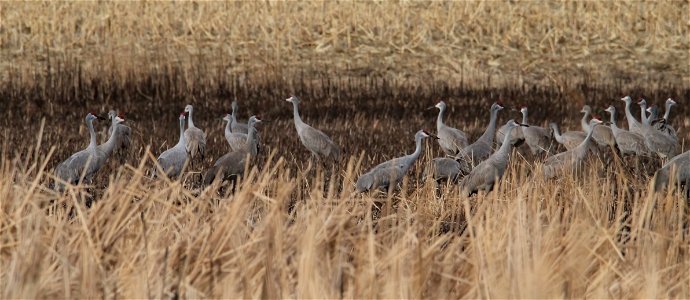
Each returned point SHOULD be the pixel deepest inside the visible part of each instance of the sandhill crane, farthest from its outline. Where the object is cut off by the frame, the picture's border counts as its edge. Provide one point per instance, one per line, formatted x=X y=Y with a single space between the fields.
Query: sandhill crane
x=537 y=138
x=570 y=160
x=450 y=139
x=313 y=139
x=83 y=163
x=602 y=134
x=124 y=133
x=653 y=114
x=679 y=166
x=569 y=139
x=231 y=165
x=482 y=147
x=643 y=111
x=388 y=174
x=173 y=160
x=236 y=127
x=115 y=138
x=447 y=168
x=485 y=175
x=628 y=142
x=236 y=140
x=633 y=125
x=665 y=125
x=194 y=137
x=517 y=138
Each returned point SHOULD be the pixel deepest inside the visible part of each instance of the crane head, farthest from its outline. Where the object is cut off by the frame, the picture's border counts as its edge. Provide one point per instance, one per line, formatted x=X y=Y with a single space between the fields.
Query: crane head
x=182 y=116
x=586 y=109
x=626 y=99
x=227 y=117
x=670 y=102
x=651 y=108
x=425 y=134
x=188 y=108
x=119 y=120
x=292 y=99
x=642 y=102
x=523 y=109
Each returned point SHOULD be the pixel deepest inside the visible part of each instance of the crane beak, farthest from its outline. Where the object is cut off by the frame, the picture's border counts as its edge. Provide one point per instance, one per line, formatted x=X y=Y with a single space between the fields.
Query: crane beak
x=433 y=136
x=523 y=125
x=99 y=117
x=430 y=108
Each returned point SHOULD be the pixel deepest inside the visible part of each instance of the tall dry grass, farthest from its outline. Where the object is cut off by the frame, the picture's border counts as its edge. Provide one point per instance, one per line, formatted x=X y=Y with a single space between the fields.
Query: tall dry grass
x=602 y=236
x=509 y=41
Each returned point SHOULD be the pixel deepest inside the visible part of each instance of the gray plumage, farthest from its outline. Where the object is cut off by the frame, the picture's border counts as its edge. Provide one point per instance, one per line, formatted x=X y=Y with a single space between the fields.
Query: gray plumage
x=517 y=138
x=602 y=134
x=537 y=138
x=447 y=169
x=194 y=137
x=118 y=135
x=450 y=139
x=485 y=175
x=680 y=166
x=173 y=160
x=569 y=139
x=571 y=160
x=629 y=143
x=313 y=139
x=236 y=126
x=388 y=174
x=664 y=124
x=633 y=125
x=236 y=140
x=232 y=164
x=644 y=119
x=483 y=146
x=85 y=162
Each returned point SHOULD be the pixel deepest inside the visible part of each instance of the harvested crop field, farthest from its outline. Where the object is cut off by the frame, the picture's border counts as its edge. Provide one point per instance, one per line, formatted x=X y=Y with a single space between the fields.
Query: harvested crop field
x=366 y=74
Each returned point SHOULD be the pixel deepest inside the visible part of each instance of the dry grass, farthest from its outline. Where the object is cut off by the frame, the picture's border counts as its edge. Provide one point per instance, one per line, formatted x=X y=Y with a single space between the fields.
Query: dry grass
x=531 y=41
x=365 y=71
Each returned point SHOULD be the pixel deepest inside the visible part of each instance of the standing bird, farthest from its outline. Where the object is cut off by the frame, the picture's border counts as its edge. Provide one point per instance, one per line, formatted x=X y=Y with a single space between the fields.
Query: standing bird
x=194 y=137
x=485 y=175
x=537 y=138
x=680 y=166
x=83 y=163
x=569 y=139
x=446 y=168
x=633 y=125
x=237 y=127
x=664 y=125
x=316 y=141
x=173 y=160
x=236 y=140
x=115 y=135
x=483 y=146
x=571 y=160
x=602 y=134
x=124 y=139
x=628 y=142
x=517 y=138
x=231 y=165
x=389 y=174
x=450 y=139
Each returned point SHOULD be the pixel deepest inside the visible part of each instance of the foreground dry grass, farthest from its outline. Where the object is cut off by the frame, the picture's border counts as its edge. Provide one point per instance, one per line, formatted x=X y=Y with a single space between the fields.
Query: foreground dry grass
x=537 y=42
x=597 y=238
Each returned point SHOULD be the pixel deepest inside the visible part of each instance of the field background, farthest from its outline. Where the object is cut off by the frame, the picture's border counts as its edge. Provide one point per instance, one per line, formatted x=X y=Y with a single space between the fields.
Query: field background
x=365 y=72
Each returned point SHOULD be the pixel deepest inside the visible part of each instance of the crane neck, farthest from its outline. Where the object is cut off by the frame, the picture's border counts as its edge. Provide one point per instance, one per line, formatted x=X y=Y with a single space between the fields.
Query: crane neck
x=191 y=123
x=92 y=134
x=251 y=139
x=488 y=135
x=643 y=113
x=667 y=113
x=181 y=141
x=439 y=119
x=628 y=114
x=584 y=124
x=418 y=148
x=507 y=146
x=614 y=126
x=524 y=117
x=295 y=113
x=109 y=145
x=582 y=147
x=228 y=126
x=557 y=134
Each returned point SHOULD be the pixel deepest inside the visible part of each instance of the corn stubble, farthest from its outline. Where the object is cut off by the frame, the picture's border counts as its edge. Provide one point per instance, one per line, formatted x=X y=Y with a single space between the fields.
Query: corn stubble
x=293 y=229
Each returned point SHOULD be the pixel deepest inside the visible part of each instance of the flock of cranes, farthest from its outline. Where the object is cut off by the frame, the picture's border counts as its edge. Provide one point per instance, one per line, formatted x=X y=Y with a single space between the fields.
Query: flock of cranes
x=474 y=165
